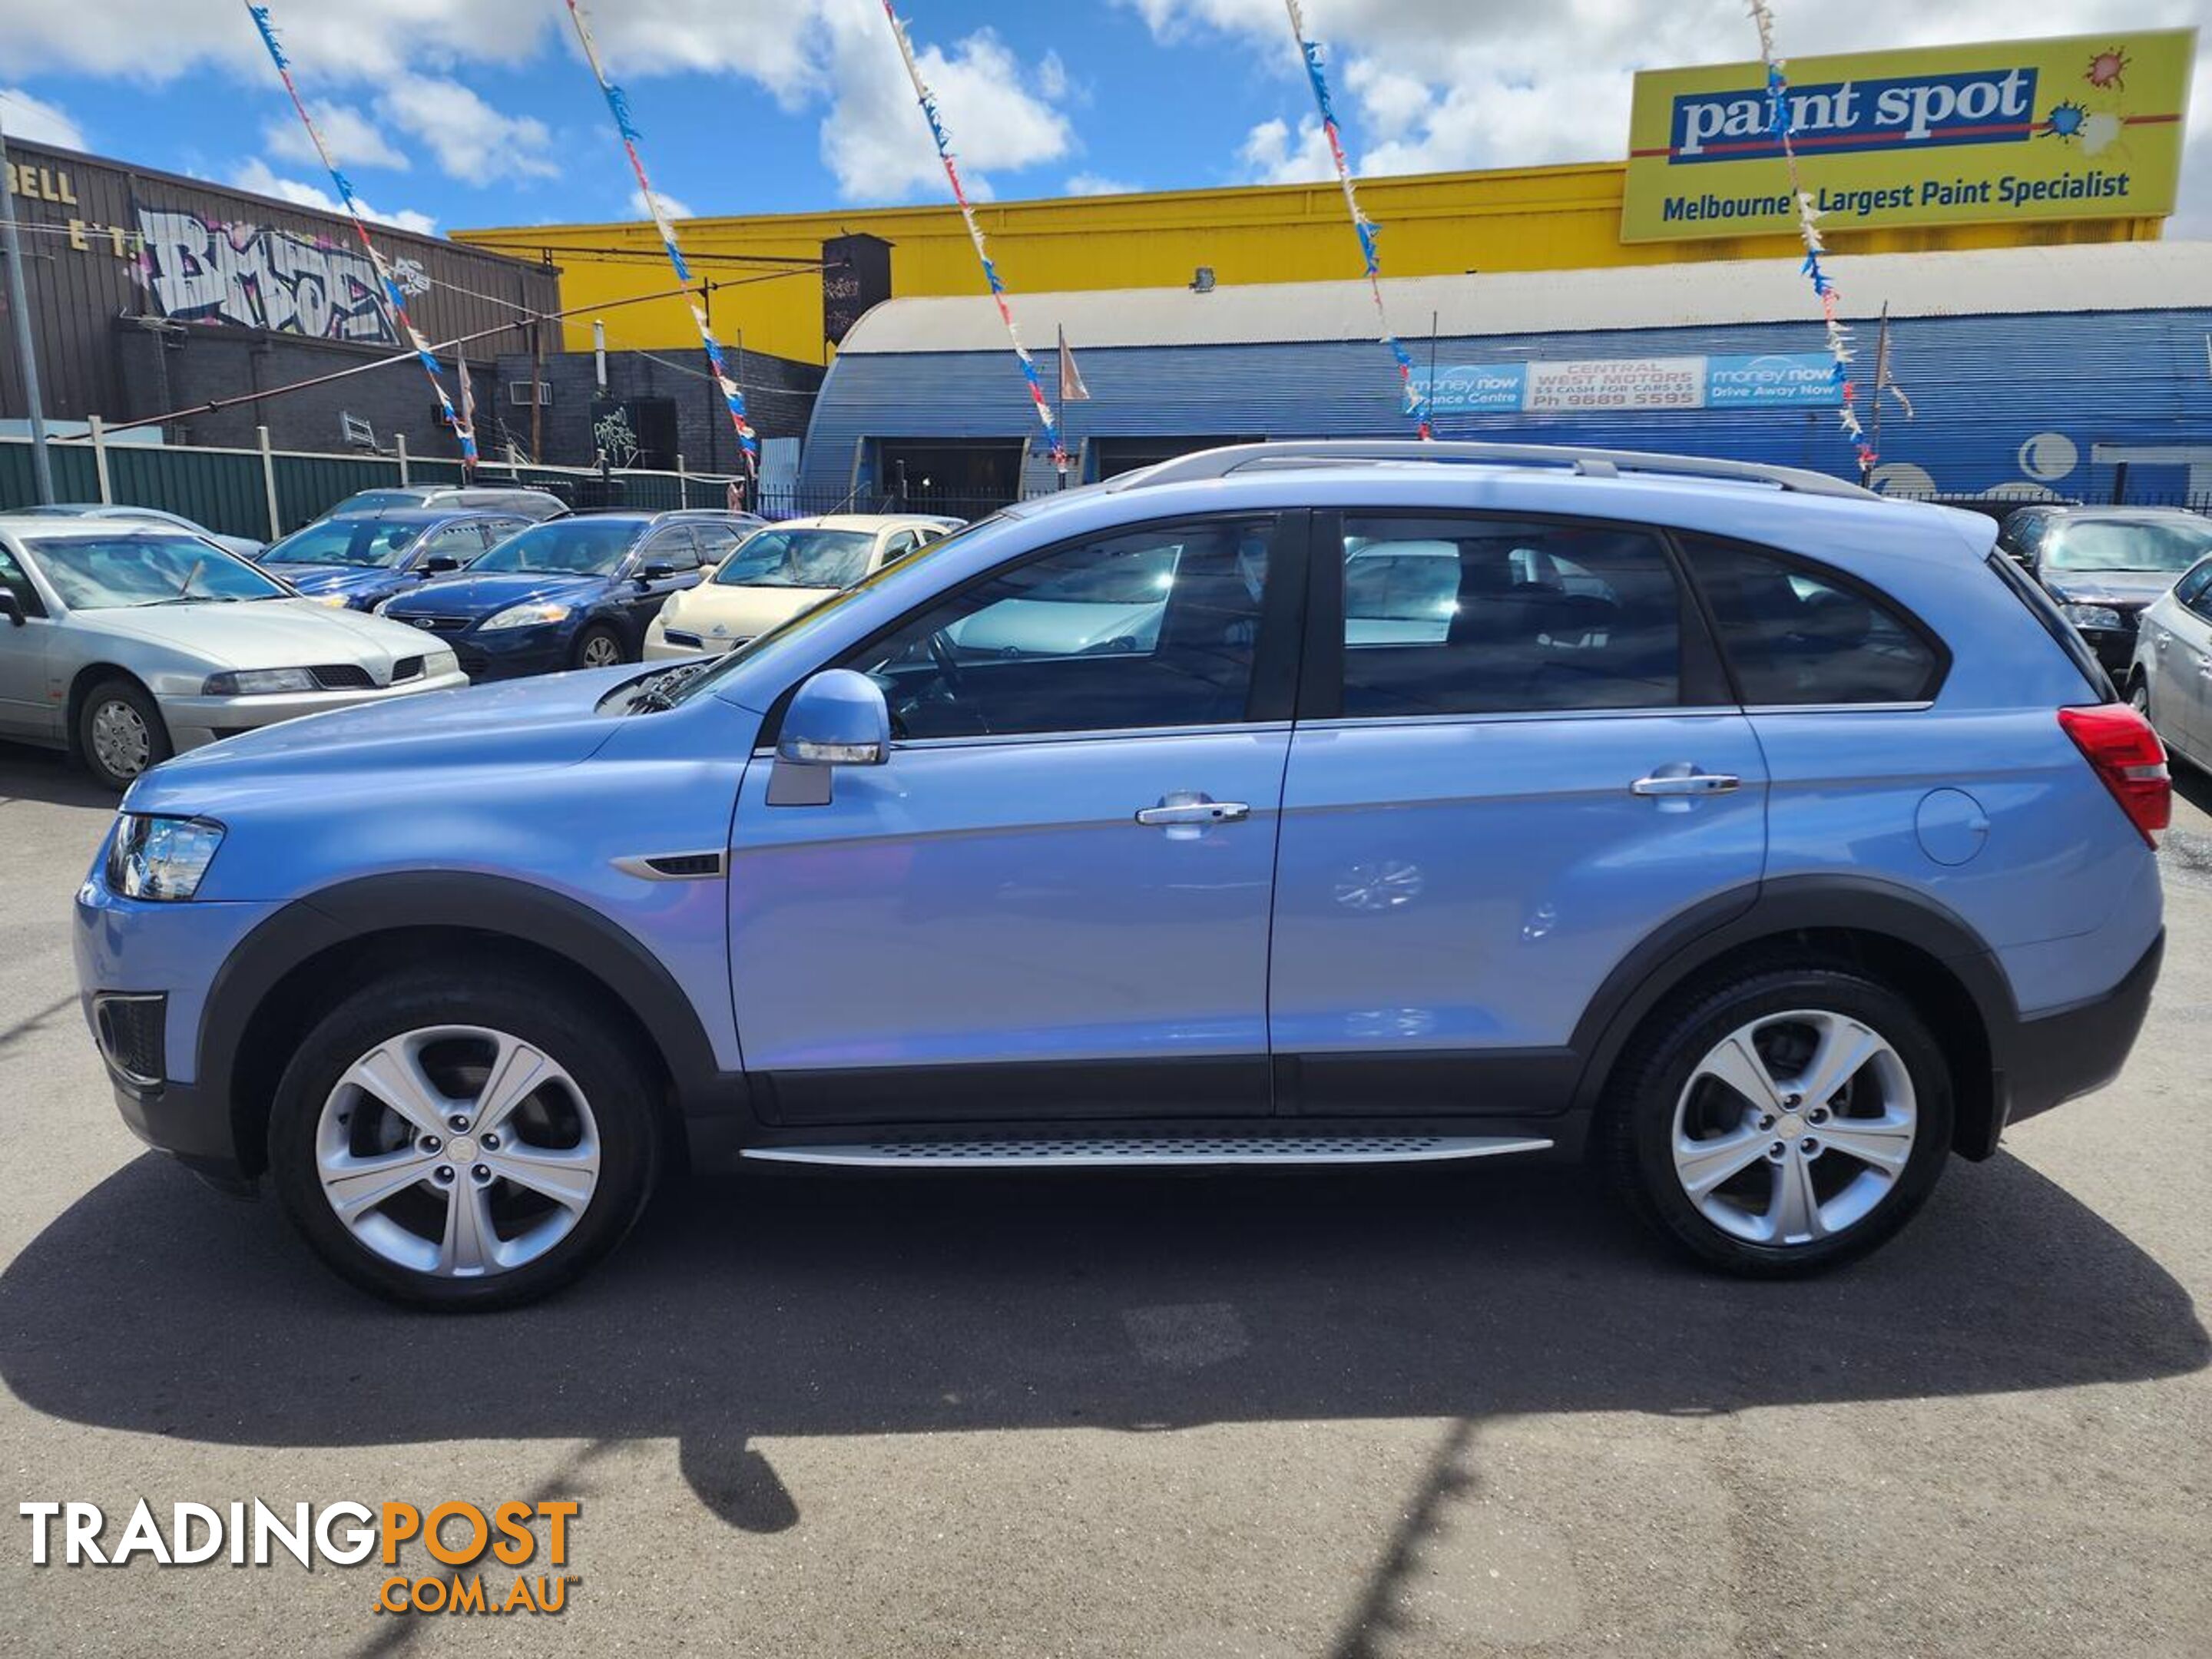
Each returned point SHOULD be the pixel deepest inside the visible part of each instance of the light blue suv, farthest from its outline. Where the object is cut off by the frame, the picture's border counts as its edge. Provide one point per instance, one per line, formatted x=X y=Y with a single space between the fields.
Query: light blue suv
x=1762 y=842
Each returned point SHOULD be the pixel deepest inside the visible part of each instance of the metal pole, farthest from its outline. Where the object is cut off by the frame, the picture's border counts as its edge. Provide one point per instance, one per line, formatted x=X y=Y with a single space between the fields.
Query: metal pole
x=42 y=468
x=268 y=483
x=99 y=458
x=682 y=483
x=599 y=356
x=400 y=448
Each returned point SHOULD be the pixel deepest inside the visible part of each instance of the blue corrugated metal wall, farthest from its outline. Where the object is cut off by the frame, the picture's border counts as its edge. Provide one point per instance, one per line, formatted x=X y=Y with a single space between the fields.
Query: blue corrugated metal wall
x=1983 y=388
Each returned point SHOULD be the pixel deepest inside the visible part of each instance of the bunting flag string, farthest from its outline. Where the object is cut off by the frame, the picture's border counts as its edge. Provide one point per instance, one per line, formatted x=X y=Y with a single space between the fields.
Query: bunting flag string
x=1417 y=403
x=1779 y=122
x=928 y=101
x=733 y=396
x=464 y=428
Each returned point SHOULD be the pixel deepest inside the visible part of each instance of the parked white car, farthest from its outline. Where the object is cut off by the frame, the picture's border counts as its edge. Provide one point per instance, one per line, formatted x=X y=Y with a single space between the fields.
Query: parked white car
x=779 y=571
x=2171 y=682
x=126 y=642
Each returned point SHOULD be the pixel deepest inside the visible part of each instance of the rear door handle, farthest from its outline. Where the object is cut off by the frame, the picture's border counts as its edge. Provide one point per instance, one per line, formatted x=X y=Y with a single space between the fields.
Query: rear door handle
x=1687 y=783
x=1182 y=810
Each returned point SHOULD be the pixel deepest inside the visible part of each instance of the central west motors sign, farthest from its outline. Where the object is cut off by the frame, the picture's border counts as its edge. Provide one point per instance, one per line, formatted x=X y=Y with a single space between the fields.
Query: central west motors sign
x=2084 y=127
x=1774 y=379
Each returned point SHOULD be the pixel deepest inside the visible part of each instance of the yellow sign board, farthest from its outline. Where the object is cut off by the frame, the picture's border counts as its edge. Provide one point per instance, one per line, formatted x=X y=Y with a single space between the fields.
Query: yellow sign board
x=2085 y=127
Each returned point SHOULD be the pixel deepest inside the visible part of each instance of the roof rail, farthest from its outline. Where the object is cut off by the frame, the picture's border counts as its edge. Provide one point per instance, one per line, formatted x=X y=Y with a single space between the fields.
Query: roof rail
x=1589 y=463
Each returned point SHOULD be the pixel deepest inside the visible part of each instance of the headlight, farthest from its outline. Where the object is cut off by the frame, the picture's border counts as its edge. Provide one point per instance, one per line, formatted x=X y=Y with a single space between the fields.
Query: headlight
x=439 y=662
x=251 y=681
x=2092 y=615
x=160 y=858
x=336 y=601
x=527 y=616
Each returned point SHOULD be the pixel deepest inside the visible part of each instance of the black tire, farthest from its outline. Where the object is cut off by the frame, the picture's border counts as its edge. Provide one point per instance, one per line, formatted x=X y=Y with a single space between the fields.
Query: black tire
x=1638 y=1117
x=134 y=696
x=615 y=1080
x=603 y=637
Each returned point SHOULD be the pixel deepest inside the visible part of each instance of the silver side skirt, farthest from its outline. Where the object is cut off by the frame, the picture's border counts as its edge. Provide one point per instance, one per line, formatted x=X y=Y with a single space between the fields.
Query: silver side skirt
x=1098 y=1151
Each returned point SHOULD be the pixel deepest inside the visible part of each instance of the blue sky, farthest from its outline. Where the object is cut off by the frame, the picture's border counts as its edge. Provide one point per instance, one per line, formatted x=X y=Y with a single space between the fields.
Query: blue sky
x=460 y=113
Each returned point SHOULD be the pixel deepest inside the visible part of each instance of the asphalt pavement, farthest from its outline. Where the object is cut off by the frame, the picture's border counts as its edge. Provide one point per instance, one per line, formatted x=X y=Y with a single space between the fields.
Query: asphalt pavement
x=1379 y=1412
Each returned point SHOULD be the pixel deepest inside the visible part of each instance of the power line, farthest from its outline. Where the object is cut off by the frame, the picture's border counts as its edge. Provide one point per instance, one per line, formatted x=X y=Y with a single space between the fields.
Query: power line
x=220 y=403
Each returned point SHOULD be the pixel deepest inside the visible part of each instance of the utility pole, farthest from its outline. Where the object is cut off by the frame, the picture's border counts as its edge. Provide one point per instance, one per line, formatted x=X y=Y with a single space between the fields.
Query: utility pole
x=27 y=353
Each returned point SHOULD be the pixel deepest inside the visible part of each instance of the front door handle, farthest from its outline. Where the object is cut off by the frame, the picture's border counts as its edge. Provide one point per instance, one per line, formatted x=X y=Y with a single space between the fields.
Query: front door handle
x=1182 y=808
x=1667 y=780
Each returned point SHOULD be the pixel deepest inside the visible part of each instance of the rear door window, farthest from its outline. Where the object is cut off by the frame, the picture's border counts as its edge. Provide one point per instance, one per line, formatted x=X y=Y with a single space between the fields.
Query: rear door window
x=1465 y=615
x=1797 y=634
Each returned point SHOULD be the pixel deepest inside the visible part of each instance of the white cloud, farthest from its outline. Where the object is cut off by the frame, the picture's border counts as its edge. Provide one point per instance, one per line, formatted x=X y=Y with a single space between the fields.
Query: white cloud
x=875 y=140
x=470 y=140
x=1096 y=184
x=669 y=205
x=257 y=176
x=35 y=121
x=1425 y=85
x=354 y=138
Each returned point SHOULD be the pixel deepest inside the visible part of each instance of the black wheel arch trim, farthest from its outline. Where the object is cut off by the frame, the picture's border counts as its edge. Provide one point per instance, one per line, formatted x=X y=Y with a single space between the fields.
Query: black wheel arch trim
x=501 y=906
x=1677 y=951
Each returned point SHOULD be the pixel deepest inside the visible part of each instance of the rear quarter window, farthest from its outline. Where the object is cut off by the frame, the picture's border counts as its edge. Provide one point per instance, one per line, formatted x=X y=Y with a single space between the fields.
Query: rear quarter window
x=1798 y=634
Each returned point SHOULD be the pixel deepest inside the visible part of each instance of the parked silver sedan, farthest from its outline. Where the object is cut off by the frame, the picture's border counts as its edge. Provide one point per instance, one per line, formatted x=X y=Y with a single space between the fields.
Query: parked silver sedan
x=126 y=643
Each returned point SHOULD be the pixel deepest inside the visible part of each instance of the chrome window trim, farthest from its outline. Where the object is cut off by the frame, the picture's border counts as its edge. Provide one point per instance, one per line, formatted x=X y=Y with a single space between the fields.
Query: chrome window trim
x=1008 y=739
x=1516 y=717
x=1920 y=706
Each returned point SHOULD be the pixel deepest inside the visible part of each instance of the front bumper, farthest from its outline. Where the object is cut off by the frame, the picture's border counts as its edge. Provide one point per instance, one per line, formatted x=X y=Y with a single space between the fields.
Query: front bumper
x=507 y=653
x=2060 y=1056
x=658 y=648
x=196 y=721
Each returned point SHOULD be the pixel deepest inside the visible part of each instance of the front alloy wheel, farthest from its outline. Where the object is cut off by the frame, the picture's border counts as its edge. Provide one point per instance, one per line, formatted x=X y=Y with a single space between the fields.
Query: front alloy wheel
x=465 y=1136
x=458 y=1151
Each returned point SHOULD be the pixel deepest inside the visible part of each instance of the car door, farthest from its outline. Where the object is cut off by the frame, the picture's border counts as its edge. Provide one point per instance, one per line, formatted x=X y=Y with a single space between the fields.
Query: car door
x=1053 y=902
x=641 y=596
x=2180 y=680
x=26 y=708
x=1515 y=761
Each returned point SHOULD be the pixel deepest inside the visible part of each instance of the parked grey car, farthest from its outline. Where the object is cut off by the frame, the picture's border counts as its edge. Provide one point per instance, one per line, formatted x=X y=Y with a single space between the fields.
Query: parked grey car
x=513 y=499
x=245 y=546
x=126 y=643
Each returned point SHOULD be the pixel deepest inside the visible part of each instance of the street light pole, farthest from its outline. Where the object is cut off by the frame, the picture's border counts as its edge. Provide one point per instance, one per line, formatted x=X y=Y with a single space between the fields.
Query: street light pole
x=19 y=303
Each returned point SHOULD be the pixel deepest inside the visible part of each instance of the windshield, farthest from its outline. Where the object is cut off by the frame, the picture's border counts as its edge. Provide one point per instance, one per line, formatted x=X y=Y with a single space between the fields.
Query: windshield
x=365 y=544
x=375 y=501
x=2162 y=544
x=813 y=618
x=98 y=573
x=567 y=547
x=798 y=558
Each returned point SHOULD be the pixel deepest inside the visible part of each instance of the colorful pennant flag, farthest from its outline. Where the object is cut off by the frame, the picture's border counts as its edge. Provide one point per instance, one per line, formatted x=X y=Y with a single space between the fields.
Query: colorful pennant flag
x=618 y=106
x=464 y=428
x=1779 y=122
x=928 y=101
x=1071 y=389
x=1371 y=253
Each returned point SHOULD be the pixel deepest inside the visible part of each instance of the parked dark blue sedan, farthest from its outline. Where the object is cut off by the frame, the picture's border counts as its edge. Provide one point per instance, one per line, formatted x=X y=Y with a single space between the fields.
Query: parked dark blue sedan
x=363 y=561
x=573 y=592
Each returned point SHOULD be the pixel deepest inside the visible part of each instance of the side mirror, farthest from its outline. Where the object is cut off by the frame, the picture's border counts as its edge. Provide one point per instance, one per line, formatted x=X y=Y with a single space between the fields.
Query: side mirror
x=438 y=564
x=838 y=718
x=656 y=571
x=12 y=608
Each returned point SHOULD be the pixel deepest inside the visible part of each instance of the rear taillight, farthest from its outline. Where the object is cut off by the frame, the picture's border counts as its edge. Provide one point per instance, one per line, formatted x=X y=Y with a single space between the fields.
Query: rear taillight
x=2130 y=760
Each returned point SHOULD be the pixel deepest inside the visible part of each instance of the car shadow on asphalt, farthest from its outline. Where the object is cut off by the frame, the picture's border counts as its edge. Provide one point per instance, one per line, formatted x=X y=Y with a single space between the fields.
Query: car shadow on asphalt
x=46 y=775
x=788 y=1303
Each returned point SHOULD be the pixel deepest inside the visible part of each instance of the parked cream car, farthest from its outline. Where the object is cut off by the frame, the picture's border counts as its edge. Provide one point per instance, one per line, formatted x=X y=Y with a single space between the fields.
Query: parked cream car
x=778 y=572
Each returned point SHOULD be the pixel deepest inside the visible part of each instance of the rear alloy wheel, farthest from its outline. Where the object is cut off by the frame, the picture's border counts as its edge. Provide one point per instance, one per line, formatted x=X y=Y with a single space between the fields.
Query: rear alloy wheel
x=1783 y=1123
x=120 y=733
x=461 y=1148
x=600 y=647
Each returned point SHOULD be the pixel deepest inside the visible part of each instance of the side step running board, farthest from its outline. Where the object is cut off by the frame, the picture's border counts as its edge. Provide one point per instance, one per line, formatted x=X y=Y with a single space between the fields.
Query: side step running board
x=1097 y=1151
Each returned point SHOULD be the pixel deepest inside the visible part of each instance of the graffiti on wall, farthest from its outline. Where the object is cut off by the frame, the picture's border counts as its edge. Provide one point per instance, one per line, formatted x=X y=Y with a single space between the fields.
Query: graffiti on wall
x=204 y=270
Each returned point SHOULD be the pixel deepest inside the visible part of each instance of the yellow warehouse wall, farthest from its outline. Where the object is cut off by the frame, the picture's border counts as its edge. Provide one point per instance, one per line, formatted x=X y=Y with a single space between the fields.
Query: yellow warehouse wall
x=1552 y=218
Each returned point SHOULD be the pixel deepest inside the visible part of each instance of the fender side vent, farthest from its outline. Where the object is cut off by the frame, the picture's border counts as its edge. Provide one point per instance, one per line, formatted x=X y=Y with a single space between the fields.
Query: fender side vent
x=673 y=866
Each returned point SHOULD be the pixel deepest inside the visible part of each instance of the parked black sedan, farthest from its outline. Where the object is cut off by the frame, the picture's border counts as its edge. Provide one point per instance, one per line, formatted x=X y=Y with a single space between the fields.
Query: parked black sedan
x=2103 y=564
